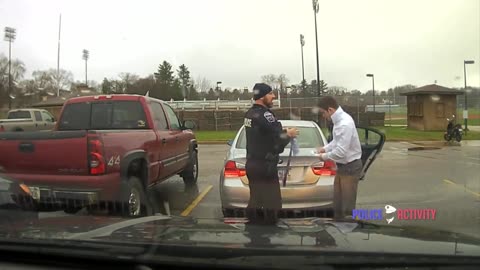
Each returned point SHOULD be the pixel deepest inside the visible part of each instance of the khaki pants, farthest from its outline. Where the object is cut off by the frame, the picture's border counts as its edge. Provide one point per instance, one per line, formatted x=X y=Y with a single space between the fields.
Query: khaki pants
x=345 y=189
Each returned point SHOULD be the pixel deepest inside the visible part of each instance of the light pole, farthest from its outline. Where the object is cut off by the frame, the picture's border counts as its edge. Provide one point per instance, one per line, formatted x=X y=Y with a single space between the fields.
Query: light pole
x=373 y=89
x=465 y=110
x=218 y=83
x=58 y=55
x=302 y=43
x=315 y=11
x=86 y=55
x=10 y=34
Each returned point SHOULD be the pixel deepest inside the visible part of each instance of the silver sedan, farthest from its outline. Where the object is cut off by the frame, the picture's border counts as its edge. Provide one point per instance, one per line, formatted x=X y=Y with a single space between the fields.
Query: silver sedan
x=309 y=182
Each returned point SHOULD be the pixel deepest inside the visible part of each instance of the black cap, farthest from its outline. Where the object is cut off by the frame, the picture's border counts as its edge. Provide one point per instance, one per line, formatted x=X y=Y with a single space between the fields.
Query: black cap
x=260 y=90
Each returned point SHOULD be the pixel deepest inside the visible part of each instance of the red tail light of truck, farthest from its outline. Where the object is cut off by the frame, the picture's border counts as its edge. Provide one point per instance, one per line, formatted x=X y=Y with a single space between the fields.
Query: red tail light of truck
x=96 y=159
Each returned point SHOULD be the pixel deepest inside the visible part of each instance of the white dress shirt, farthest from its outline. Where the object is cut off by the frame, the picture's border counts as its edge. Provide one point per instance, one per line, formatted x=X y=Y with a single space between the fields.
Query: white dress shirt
x=345 y=146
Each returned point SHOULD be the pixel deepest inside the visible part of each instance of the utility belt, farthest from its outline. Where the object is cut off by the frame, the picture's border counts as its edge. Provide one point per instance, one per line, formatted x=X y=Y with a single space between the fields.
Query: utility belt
x=270 y=160
x=340 y=165
x=268 y=157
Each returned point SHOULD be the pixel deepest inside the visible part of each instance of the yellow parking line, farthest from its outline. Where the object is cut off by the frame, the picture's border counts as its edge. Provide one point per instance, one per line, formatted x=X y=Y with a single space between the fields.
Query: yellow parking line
x=466 y=189
x=195 y=202
x=448 y=182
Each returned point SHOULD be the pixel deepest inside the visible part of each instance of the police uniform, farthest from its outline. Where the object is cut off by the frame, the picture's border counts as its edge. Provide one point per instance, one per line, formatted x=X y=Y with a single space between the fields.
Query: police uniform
x=265 y=141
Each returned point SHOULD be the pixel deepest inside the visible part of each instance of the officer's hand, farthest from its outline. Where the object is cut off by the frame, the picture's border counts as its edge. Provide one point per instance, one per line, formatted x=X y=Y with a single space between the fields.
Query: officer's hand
x=292 y=132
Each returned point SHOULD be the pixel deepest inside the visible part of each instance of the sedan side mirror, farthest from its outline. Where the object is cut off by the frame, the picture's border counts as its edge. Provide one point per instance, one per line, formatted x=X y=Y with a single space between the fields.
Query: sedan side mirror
x=230 y=142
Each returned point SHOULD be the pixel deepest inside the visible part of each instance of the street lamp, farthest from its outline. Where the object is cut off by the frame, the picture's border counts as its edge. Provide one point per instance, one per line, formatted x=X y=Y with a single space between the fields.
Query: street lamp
x=218 y=83
x=86 y=55
x=10 y=34
x=465 y=110
x=315 y=11
x=373 y=89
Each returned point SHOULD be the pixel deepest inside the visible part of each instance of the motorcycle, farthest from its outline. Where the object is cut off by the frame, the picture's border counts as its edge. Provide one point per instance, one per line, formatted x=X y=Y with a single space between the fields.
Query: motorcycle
x=454 y=131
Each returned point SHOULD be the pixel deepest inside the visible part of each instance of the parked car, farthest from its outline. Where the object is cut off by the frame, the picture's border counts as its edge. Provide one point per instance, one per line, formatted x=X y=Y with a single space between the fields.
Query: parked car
x=27 y=120
x=309 y=184
x=105 y=150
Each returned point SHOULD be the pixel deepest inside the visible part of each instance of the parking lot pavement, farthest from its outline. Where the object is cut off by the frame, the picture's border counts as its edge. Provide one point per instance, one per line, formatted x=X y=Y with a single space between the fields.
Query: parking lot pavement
x=445 y=179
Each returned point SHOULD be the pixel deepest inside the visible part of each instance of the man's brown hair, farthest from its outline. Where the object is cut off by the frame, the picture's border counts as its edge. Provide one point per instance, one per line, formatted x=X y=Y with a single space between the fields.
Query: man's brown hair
x=327 y=102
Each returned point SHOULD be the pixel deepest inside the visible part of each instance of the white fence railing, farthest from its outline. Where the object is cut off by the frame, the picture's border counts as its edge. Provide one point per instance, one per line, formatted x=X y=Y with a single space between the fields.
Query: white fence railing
x=195 y=105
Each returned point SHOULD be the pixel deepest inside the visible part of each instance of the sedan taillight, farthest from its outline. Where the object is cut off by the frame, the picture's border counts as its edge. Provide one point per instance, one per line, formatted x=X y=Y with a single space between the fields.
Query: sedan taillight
x=324 y=168
x=232 y=171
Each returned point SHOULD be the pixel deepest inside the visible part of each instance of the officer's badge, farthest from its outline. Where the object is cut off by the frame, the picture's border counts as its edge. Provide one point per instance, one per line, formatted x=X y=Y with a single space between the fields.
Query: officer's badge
x=269 y=116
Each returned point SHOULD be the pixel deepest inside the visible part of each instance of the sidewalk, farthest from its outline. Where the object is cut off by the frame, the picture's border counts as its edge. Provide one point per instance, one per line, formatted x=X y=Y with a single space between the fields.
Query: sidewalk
x=474 y=128
x=443 y=143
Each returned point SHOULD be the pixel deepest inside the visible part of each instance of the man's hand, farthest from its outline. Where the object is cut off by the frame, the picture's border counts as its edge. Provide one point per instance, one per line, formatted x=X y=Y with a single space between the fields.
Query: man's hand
x=320 y=150
x=292 y=132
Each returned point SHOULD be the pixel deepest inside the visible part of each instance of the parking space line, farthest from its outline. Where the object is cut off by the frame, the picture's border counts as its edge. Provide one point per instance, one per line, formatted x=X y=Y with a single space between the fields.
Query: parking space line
x=195 y=202
x=458 y=186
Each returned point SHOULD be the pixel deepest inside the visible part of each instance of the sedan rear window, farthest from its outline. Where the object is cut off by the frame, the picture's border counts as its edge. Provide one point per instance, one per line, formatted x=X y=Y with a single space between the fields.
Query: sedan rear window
x=103 y=115
x=309 y=138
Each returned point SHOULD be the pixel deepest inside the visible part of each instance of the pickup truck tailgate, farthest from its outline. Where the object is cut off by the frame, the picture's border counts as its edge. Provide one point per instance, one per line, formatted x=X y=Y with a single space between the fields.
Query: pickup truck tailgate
x=44 y=152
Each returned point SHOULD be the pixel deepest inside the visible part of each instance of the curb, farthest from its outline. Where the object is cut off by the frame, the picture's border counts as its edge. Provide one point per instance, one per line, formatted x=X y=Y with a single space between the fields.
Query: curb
x=213 y=142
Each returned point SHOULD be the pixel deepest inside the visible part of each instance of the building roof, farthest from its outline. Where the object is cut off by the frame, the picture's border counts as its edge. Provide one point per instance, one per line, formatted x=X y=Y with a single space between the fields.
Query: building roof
x=53 y=101
x=433 y=89
x=50 y=102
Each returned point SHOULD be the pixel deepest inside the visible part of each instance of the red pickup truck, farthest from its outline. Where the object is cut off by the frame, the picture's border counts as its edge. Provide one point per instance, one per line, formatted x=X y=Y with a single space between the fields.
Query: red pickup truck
x=104 y=150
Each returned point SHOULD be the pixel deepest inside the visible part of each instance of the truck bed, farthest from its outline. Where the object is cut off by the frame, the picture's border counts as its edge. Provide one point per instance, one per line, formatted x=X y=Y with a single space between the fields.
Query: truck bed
x=44 y=152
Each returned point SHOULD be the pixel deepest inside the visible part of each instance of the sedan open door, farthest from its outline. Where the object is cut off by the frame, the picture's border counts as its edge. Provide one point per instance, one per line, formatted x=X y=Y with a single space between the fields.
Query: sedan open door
x=372 y=141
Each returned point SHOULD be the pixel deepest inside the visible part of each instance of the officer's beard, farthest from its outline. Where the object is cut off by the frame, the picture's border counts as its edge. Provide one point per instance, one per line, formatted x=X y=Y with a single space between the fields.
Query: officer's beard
x=267 y=103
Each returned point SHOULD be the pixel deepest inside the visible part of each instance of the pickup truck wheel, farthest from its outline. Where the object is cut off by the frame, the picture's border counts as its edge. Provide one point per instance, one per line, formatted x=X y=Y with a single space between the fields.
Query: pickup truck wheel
x=190 y=174
x=136 y=203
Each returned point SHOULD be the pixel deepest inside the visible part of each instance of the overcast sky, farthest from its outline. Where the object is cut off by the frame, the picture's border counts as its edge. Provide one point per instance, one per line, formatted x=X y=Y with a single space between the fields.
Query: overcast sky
x=408 y=41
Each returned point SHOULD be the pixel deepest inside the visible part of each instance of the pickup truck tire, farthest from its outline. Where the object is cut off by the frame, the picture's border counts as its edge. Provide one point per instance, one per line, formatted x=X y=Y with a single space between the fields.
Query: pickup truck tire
x=135 y=203
x=190 y=174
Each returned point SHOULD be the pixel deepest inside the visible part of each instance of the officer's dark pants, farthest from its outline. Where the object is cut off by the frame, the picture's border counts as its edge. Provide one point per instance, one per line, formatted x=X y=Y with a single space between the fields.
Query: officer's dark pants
x=265 y=197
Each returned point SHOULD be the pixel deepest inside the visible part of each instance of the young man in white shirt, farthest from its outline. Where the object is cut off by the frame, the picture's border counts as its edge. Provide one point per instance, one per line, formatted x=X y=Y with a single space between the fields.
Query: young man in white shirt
x=346 y=151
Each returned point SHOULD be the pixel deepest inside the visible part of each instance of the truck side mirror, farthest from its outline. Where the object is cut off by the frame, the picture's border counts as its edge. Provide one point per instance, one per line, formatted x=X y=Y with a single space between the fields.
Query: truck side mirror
x=188 y=124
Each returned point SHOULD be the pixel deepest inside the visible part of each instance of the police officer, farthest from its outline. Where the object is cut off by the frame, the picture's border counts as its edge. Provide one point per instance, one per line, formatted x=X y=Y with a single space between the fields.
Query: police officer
x=266 y=139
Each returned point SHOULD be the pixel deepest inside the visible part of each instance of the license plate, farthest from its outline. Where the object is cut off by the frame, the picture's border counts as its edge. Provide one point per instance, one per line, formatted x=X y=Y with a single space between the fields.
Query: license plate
x=35 y=193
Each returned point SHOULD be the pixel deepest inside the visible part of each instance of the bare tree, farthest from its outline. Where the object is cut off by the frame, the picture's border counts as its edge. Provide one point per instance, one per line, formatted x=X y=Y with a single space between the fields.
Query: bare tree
x=51 y=81
x=127 y=81
x=202 y=84
x=337 y=91
x=43 y=79
x=270 y=79
x=128 y=78
x=63 y=79
x=18 y=70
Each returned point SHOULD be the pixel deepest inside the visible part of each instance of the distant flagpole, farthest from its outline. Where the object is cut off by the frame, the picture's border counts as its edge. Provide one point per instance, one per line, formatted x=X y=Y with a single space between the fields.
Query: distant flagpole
x=58 y=55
